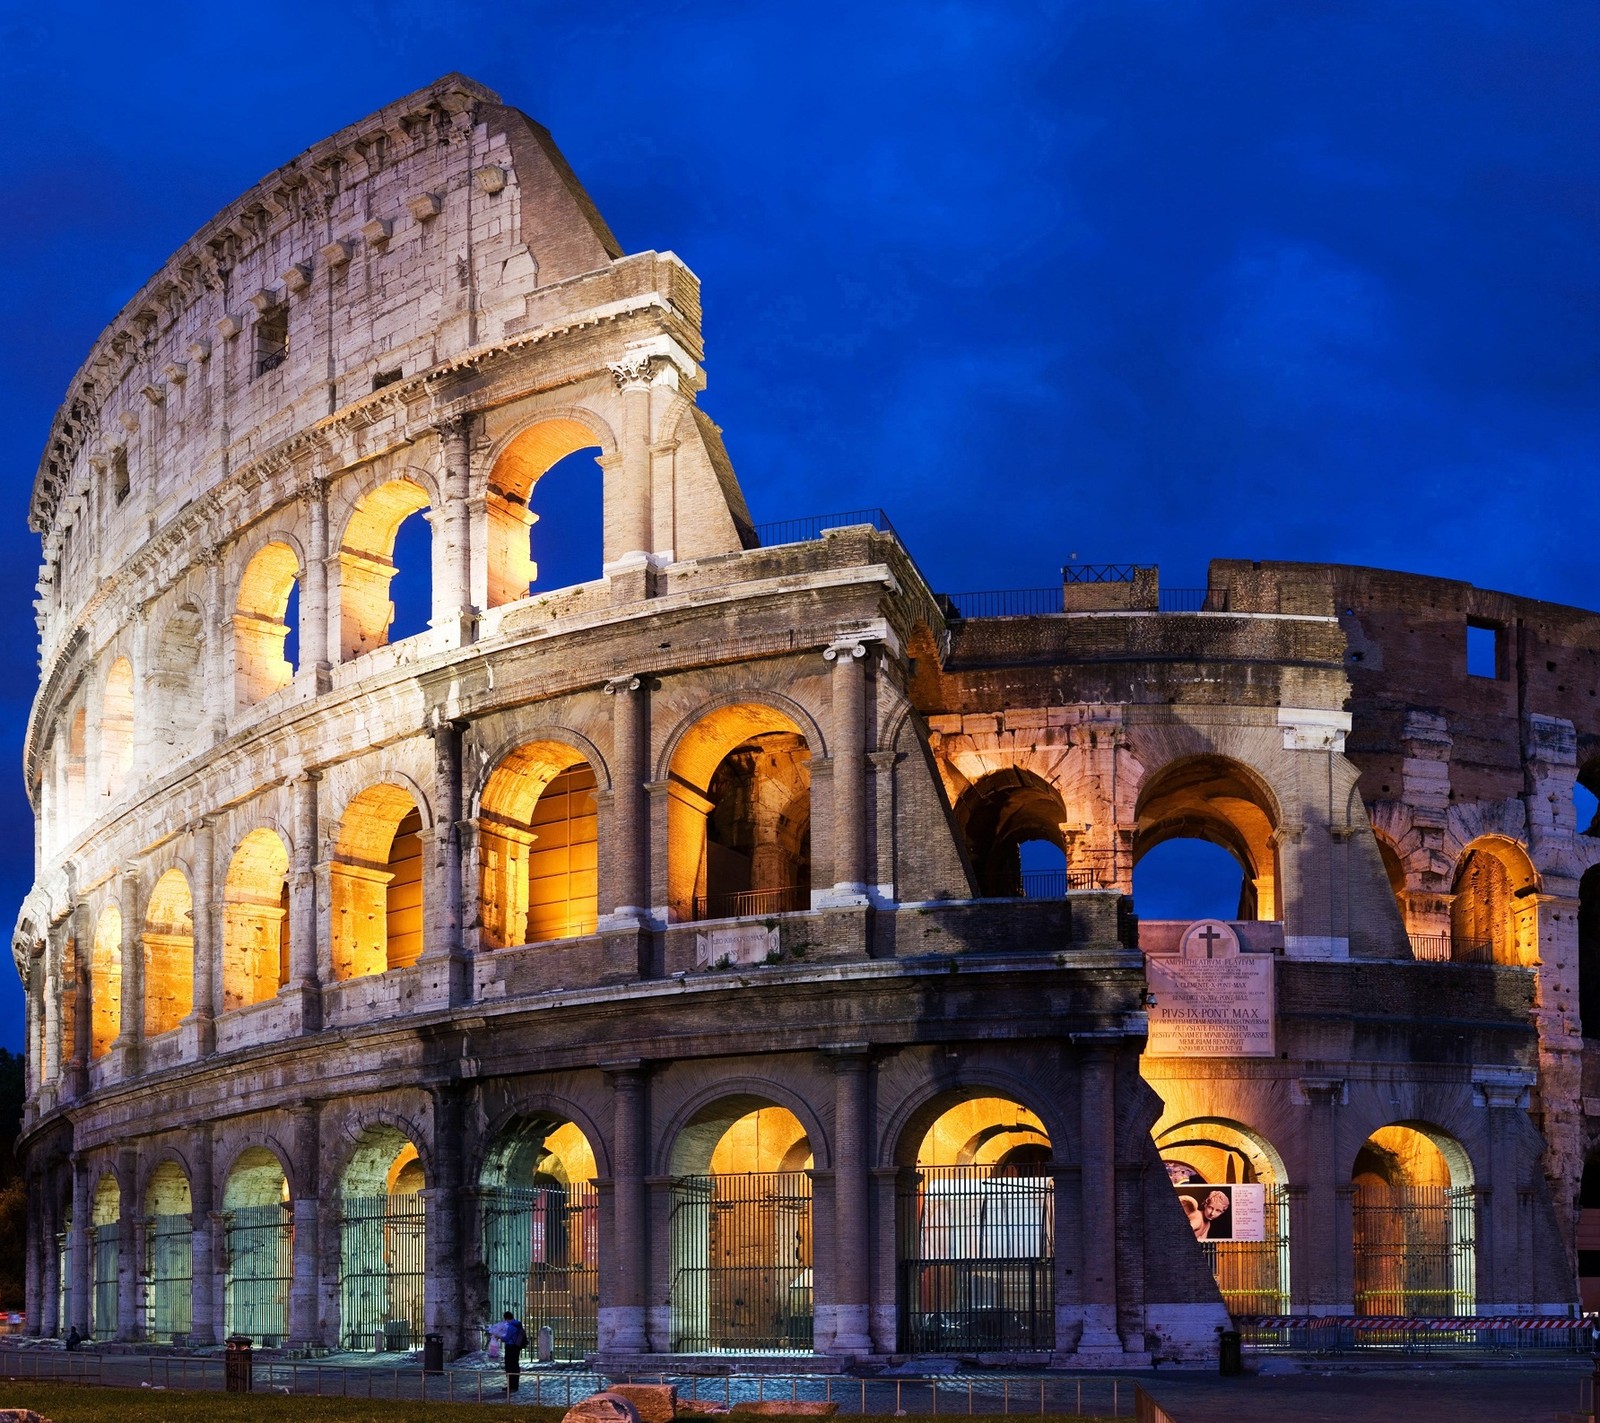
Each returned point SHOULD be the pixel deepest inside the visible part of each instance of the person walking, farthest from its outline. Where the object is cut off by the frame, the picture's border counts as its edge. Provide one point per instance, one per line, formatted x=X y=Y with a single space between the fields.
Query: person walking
x=513 y=1339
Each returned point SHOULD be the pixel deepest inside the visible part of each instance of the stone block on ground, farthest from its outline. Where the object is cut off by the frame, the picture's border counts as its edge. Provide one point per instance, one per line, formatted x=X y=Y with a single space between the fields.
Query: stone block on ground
x=789 y=1408
x=655 y=1402
x=603 y=1407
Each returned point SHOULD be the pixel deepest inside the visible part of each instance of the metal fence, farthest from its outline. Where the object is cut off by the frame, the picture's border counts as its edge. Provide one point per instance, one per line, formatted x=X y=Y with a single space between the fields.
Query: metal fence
x=1415 y=1250
x=741 y=1262
x=258 y=1265
x=1001 y=603
x=542 y=1247
x=382 y=1243
x=1444 y=948
x=1100 y=572
x=977 y=1261
x=103 y=1290
x=1054 y=884
x=795 y=531
x=752 y=903
x=1193 y=600
x=1328 y=1334
x=1253 y=1275
x=169 y=1256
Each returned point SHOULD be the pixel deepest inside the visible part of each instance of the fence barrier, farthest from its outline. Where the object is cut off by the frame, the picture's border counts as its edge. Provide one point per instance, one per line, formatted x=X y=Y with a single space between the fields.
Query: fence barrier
x=805 y=530
x=1408 y=1334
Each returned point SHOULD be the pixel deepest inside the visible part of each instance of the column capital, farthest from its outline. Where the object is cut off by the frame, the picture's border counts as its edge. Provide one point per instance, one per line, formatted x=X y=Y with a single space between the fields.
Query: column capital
x=633 y=371
x=847 y=1057
x=848 y=648
x=627 y=682
x=457 y=426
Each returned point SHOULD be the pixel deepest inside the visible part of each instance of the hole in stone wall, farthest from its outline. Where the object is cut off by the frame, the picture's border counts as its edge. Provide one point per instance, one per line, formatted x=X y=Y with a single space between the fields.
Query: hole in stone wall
x=567 y=537
x=1483 y=650
x=411 y=588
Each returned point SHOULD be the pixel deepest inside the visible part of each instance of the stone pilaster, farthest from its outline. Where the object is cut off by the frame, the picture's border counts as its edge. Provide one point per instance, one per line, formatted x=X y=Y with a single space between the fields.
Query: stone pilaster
x=316 y=628
x=129 y=1046
x=446 y=971
x=130 y=1241
x=622 y=1315
x=304 y=1289
x=849 y=759
x=203 y=1325
x=1097 y=1132
x=627 y=480
x=443 y=1312
x=852 y=1198
x=304 y=988
x=453 y=608
x=630 y=815
x=200 y=1027
x=82 y=1260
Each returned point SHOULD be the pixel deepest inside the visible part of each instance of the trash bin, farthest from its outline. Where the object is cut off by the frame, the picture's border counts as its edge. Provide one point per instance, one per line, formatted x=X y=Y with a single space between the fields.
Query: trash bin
x=433 y=1353
x=238 y=1365
x=1230 y=1360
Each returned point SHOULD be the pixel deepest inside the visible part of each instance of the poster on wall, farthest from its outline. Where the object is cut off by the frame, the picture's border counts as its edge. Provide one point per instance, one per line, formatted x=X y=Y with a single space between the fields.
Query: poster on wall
x=1210 y=999
x=1235 y=1211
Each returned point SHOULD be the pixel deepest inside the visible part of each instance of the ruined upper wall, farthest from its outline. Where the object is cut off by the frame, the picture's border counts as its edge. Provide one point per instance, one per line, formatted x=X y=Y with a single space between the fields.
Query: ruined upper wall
x=392 y=246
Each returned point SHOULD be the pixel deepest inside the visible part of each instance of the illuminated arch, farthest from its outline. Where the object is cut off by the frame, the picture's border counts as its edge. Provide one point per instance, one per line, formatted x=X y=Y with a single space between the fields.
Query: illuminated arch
x=168 y=1208
x=998 y=814
x=105 y=976
x=116 y=726
x=382 y=1241
x=1494 y=915
x=173 y=694
x=258 y=1238
x=519 y=465
x=105 y=1231
x=255 y=921
x=260 y=626
x=375 y=883
x=366 y=563
x=168 y=954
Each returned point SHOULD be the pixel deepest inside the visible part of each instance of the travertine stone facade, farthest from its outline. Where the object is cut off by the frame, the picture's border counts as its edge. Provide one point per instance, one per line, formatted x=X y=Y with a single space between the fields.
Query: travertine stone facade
x=732 y=828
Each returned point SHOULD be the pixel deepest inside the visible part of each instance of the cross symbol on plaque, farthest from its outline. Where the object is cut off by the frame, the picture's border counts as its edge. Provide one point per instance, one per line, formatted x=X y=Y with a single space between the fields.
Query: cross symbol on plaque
x=1210 y=938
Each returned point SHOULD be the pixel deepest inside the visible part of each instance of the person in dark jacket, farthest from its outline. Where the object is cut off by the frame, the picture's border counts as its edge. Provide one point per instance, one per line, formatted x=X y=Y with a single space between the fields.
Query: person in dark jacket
x=513 y=1340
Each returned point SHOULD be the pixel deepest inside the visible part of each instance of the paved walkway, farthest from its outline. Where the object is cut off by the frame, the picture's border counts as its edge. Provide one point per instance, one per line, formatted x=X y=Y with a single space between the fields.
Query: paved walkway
x=1464 y=1393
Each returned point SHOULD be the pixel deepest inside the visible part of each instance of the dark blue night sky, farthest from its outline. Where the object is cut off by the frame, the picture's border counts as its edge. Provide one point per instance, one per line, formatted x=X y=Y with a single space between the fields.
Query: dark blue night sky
x=1162 y=282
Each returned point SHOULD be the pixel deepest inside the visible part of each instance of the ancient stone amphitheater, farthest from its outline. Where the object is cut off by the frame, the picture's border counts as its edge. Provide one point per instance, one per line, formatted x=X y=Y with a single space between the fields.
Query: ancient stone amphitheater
x=668 y=957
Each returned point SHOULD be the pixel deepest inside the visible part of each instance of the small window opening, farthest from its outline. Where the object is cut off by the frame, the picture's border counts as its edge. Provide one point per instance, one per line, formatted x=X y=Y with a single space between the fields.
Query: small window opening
x=1483 y=650
x=1585 y=806
x=384 y=378
x=120 y=483
x=272 y=339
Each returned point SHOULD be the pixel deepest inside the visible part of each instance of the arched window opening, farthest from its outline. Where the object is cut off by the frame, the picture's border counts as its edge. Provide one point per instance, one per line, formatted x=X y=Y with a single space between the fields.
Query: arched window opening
x=168 y=955
x=567 y=508
x=1589 y=1236
x=368 y=563
x=739 y=816
x=258 y=1258
x=1232 y=1188
x=1586 y=798
x=1494 y=914
x=541 y=1232
x=375 y=884
x=999 y=816
x=167 y=1255
x=175 y=701
x=77 y=765
x=1187 y=879
x=255 y=921
x=382 y=1244
x=116 y=726
x=1589 y=952
x=1220 y=802
x=1414 y=1224
x=976 y=1246
x=740 y=1230
x=105 y=1231
x=262 y=664
x=539 y=841
x=524 y=464
x=105 y=977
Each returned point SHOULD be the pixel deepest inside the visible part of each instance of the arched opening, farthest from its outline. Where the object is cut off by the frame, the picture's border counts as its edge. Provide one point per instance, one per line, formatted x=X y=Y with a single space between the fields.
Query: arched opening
x=1011 y=821
x=539 y=453
x=739 y=816
x=740 y=1231
x=77 y=765
x=1414 y=1224
x=116 y=726
x=367 y=565
x=1586 y=798
x=168 y=955
x=375 y=884
x=539 y=1215
x=1218 y=802
x=1494 y=912
x=261 y=624
x=258 y=1254
x=175 y=699
x=105 y=1232
x=255 y=921
x=168 y=1256
x=382 y=1243
x=538 y=837
x=976 y=1245
x=1589 y=952
x=105 y=980
x=1232 y=1188
x=1589 y=1236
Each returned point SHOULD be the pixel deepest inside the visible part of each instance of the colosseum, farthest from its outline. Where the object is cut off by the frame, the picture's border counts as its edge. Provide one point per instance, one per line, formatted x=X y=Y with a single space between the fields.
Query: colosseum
x=735 y=954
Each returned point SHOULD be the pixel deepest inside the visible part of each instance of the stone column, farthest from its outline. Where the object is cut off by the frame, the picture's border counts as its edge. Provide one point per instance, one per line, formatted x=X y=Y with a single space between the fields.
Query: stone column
x=630 y=814
x=627 y=481
x=32 y=1297
x=49 y=1316
x=304 y=1290
x=200 y=1027
x=849 y=771
x=304 y=988
x=53 y=988
x=1317 y=1248
x=852 y=1198
x=442 y=1305
x=203 y=1328
x=218 y=681
x=1498 y=1290
x=453 y=609
x=82 y=1263
x=315 y=625
x=622 y=1317
x=130 y=1039
x=1097 y=1130
x=446 y=971
x=130 y=1236
x=82 y=1007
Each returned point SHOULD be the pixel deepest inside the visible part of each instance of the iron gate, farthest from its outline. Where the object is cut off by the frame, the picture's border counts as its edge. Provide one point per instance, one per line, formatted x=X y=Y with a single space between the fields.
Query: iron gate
x=1253 y=1275
x=381 y=1269
x=103 y=1302
x=64 y=1279
x=258 y=1261
x=542 y=1246
x=1415 y=1250
x=741 y=1262
x=977 y=1261
x=168 y=1274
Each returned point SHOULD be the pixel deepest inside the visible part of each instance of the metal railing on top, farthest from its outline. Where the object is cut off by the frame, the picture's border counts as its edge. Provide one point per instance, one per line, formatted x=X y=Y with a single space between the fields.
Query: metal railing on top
x=1001 y=603
x=1194 y=600
x=1099 y=572
x=1443 y=948
x=752 y=903
x=1054 y=884
x=797 y=531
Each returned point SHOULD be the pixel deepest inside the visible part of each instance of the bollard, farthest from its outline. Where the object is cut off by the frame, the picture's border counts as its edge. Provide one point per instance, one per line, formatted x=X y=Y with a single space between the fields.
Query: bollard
x=547 y=1343
x=1230 y=1359
x=238 y=1365
x=433 y=1353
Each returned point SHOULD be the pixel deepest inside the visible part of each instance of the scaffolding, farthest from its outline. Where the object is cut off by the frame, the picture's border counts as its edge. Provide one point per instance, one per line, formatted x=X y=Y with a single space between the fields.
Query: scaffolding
x=741 y=1263
x=541 y=1244
x=977 y=1261
x=382 y=1266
